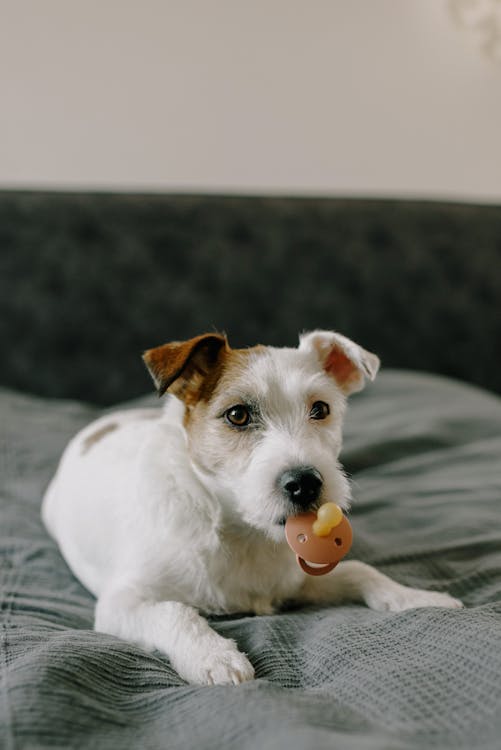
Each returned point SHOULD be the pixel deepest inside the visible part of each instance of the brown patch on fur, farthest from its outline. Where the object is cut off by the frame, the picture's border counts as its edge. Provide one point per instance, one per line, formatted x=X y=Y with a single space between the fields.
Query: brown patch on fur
x=193 y=369
x=183 y=366
x=96 y=436
x=231 y=364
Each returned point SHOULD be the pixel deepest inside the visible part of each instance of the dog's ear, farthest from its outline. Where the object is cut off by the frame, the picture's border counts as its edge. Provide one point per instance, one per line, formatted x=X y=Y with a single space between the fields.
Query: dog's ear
x=341 y=358
x=183 y=367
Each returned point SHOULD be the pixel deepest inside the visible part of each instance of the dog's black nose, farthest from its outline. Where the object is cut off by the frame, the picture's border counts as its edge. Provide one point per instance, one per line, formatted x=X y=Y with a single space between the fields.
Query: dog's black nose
x=301 y=485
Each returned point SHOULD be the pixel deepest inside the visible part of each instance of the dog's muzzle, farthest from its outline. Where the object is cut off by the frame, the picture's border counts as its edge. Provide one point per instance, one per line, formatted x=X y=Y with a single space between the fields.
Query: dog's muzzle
x=301 y=486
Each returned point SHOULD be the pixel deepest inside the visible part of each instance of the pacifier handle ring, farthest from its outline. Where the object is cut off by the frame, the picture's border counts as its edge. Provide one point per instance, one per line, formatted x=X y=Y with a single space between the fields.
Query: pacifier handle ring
x=314 y=571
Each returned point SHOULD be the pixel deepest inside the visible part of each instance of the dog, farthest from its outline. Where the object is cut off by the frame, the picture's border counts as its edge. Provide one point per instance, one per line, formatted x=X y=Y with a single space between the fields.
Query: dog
x=167 y=515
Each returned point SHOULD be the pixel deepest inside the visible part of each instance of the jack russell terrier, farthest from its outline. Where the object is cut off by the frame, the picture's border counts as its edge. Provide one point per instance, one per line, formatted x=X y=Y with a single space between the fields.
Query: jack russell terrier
x=169 y=514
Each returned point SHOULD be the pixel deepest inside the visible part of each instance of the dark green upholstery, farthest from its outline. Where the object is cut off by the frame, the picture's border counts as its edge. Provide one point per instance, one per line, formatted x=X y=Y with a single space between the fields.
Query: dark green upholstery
x=88 y=281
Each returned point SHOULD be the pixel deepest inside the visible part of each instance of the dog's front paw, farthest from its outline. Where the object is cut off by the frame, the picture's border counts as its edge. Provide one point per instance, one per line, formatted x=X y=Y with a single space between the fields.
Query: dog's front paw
x=224 y=665
x=396 y=598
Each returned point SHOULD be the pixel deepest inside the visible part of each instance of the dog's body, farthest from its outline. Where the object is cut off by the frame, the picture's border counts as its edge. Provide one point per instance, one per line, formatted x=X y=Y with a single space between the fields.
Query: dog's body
x=166 y=514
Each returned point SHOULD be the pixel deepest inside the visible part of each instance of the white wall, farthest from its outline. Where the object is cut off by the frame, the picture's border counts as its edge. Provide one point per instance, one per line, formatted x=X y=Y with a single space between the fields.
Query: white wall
x=297 y=96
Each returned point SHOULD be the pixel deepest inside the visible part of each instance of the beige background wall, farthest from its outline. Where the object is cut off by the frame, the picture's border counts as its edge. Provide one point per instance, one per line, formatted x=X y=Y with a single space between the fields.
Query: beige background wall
x=314 y=96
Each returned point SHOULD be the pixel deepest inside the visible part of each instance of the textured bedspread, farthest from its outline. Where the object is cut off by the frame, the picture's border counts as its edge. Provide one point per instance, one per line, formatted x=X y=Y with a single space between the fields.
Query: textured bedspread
x=425 y=457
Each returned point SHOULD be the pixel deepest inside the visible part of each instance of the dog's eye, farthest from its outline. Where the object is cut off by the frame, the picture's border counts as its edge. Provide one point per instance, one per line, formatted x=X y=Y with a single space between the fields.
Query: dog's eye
x=319 y=410
x=238 y=416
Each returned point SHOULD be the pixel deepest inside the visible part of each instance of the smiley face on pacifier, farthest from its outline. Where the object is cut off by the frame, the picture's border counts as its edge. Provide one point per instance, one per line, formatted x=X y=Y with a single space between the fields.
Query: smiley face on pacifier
x=320 y=540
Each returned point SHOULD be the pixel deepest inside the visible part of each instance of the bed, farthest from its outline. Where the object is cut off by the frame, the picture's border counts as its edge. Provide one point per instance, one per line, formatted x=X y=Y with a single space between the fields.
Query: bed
x=423 y=452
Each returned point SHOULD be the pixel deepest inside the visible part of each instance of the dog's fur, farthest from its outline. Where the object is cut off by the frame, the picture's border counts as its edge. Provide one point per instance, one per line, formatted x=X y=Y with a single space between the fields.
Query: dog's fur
x=166 y=514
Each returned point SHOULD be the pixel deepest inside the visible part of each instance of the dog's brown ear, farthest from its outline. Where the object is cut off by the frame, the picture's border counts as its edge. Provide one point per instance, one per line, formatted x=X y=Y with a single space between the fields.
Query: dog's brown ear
x=184 y=366
x=342 y=358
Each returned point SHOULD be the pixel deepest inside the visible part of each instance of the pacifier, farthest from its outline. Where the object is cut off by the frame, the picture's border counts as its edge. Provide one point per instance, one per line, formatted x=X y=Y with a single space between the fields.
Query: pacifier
x=320 y=540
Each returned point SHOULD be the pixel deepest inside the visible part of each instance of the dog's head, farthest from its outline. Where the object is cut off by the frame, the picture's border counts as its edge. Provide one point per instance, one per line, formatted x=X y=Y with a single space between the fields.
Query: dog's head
x=264 y=425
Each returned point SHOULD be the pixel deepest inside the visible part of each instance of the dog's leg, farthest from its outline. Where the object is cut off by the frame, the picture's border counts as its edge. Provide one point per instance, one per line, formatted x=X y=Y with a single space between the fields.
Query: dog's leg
x=357 y=582
x=196 y=651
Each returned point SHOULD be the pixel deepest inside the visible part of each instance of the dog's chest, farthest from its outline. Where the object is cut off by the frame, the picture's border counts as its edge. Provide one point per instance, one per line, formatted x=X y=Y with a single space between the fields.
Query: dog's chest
x=251 y=575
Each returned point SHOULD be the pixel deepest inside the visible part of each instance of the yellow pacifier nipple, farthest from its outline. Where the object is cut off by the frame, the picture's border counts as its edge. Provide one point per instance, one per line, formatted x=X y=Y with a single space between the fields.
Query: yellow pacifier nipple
x=329 y=515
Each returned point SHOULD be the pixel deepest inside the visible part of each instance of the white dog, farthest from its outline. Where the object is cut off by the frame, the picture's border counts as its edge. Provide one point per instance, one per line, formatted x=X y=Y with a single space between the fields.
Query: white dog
x=166 y=514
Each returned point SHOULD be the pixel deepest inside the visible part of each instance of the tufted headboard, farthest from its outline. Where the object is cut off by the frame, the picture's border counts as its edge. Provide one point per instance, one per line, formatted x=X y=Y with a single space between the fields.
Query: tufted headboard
x=88 y=281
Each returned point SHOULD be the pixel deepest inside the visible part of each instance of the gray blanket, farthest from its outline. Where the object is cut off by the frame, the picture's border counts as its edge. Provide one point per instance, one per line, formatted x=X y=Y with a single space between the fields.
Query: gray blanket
x=424 y=454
